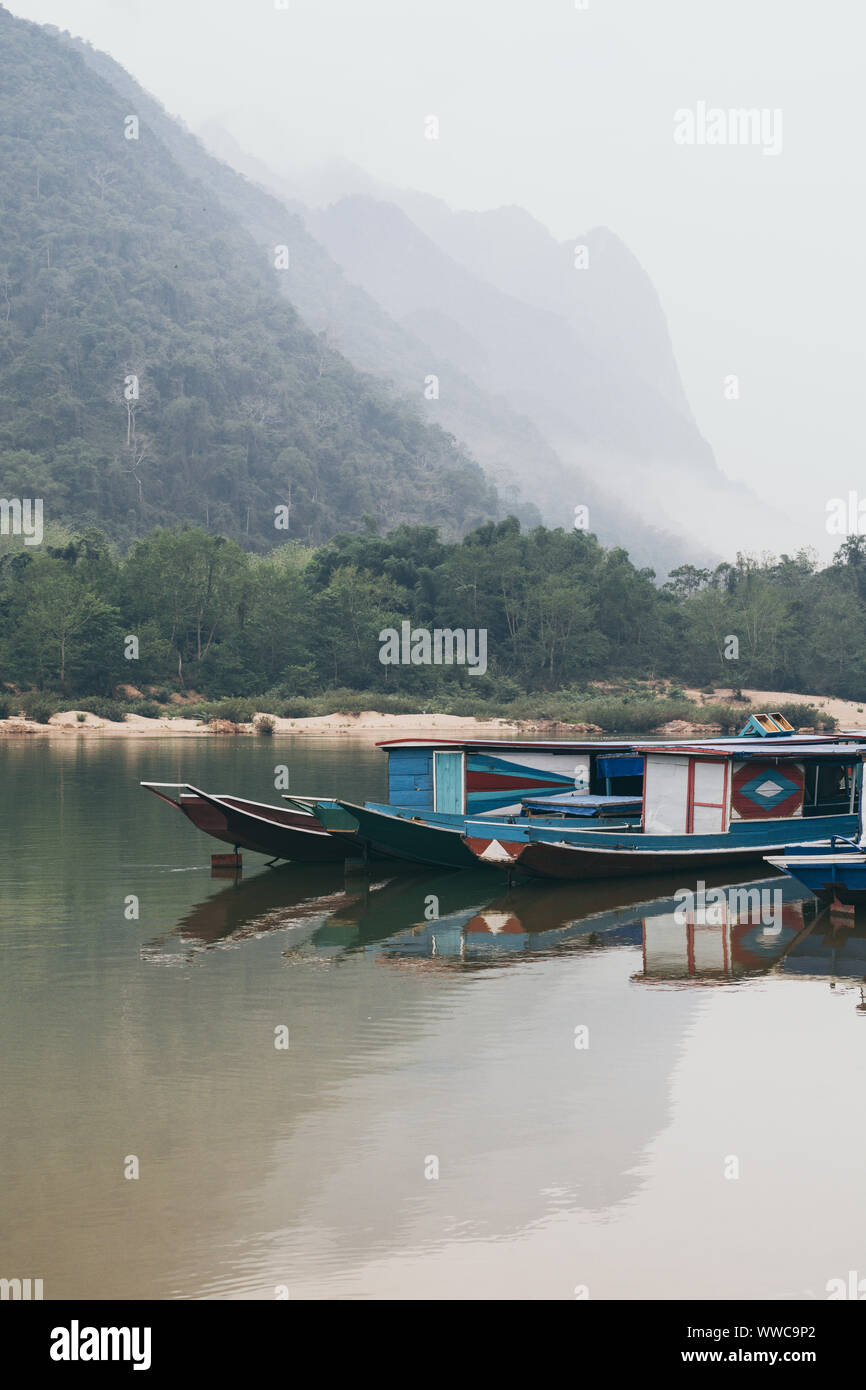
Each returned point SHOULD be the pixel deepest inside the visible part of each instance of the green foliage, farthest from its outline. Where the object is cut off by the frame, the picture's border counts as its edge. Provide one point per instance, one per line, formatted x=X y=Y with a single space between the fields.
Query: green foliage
x=38 y=708
x=574 y=632
x=301 y=708
x=233 y=711
x=7 y=707
x=116 y=263
x=113 y=710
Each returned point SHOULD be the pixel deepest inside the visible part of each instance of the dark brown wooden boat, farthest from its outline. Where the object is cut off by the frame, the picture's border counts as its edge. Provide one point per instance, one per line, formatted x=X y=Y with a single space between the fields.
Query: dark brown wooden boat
x=280 y=832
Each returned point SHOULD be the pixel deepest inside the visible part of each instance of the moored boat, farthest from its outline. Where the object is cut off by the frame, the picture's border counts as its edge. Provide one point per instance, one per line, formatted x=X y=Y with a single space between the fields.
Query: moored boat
x=703 y=805
x=434 y=785
x=829 y=870
x=280 y=832
x=437 y=786
x=833 y=869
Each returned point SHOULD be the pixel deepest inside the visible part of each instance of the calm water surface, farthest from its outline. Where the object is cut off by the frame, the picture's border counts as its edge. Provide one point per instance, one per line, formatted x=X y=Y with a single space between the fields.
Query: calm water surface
x=412 y=1043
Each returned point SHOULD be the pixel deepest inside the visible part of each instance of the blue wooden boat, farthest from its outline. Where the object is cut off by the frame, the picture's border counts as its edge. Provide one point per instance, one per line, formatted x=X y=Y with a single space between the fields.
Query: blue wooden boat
x=535 y=791
x=720 y=804
x=434 y=785
x=833 y=869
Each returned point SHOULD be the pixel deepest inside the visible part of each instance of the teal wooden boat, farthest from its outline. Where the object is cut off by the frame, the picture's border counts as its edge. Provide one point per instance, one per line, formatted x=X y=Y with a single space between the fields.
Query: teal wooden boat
x=434 y=784
x=703 y=805
x=525 y=791
x=436 y=837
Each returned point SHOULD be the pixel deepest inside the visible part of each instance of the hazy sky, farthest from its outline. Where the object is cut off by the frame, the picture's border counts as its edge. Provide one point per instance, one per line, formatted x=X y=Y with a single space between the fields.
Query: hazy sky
x=570 y=113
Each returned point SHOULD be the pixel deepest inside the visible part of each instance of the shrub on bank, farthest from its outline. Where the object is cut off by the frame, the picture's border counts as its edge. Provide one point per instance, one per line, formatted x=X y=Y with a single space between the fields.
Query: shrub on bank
x=299 y=708
x=806 y=716
x=113 y=710
x=231 y=710
x=38 y=708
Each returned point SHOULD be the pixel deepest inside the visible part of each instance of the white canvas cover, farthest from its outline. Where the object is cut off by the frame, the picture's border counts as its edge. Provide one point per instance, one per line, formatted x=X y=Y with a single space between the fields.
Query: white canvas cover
x=709 y=787
x=666 y=785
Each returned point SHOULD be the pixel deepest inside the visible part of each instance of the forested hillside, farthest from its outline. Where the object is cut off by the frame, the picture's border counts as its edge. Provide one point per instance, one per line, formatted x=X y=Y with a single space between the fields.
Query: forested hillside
x=120 y=272
x=533 y=480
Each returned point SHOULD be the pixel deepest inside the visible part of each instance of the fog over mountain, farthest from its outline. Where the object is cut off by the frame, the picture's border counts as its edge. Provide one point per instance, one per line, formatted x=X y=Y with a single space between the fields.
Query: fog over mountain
x=394 y=325
x=581 y=352
x=557 y=129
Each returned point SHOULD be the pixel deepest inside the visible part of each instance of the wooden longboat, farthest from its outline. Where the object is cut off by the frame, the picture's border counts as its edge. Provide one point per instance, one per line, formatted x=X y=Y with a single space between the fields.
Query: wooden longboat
x=437 y=788
x=434 y=787
x=280 y=832
x=434 y=784
x=704 y=805
x=436 y=838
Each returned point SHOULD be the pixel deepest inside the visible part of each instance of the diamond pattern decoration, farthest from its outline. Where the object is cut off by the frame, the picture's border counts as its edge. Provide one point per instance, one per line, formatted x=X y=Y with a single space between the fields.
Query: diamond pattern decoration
x=765 y=789
x=770 y=789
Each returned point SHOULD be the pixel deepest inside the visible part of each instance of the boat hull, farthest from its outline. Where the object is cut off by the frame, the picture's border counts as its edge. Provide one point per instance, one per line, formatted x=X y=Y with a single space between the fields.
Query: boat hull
x=581 y=855
x=275 y=831
x=831 y=876
x=575 y=863
x=400 y=835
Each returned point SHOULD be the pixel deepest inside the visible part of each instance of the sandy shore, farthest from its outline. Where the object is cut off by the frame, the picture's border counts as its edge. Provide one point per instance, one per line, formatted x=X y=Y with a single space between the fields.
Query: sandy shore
x=848 y=713
x=369 y=722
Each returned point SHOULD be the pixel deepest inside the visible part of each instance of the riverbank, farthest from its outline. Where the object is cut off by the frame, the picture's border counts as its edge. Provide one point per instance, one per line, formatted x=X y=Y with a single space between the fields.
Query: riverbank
x=847 y=714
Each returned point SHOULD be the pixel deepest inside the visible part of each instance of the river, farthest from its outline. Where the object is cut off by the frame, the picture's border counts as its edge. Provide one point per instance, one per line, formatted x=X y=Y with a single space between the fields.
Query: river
x=304 y=1085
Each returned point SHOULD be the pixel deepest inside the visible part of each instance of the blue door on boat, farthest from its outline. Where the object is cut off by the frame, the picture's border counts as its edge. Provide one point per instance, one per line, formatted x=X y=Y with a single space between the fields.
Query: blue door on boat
x=448 y=782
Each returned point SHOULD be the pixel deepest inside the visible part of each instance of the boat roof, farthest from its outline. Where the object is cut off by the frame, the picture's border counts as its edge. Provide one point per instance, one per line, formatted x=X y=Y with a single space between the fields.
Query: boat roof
x=618 y=745
x=456 y=743
x=763 y=748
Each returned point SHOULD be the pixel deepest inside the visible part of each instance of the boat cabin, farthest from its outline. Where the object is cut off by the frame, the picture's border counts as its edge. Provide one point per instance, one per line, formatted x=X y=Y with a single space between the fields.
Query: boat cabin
x=470 y=778
x=474 y=777
x=706 y=789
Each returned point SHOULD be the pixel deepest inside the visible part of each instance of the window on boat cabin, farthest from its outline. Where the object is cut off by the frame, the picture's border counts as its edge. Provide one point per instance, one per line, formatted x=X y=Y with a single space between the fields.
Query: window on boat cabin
x=828 y=788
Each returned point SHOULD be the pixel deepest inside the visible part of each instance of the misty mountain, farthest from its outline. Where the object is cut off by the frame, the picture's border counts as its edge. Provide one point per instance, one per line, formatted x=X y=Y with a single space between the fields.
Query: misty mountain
x=512 y=450
x=471 y=405
x=150 y=369
x=616 y=415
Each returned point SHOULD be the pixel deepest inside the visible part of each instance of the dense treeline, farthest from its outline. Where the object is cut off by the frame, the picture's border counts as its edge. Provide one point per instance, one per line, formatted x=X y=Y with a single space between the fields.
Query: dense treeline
x=559 y=610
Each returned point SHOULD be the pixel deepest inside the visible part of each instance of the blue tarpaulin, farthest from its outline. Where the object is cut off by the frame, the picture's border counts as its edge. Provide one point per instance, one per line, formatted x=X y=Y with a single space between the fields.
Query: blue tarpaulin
x=626 y=765
x=573 y=804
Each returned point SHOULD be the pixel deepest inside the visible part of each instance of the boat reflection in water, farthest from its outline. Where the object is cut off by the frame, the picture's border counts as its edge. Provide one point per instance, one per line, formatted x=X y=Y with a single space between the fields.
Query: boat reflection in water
x=452 y=920
x=324 y=911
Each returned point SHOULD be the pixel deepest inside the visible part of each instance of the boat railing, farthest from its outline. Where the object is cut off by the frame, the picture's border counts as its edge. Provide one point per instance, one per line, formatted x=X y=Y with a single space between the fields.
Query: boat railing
x=844 y=840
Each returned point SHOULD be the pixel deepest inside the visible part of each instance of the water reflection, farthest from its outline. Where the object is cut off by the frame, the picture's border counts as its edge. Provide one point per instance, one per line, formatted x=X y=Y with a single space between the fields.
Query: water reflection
x=470 y=919
x=430 y=1013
